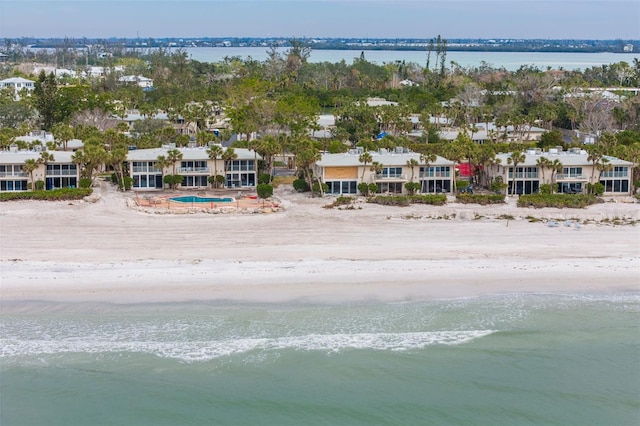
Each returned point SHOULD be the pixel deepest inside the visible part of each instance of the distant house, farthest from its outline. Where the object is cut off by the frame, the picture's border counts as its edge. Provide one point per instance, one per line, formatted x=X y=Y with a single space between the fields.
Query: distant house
x=102 y=71
x=344 y=171
x=19 y=85
x=139 y=80
x=482 y=132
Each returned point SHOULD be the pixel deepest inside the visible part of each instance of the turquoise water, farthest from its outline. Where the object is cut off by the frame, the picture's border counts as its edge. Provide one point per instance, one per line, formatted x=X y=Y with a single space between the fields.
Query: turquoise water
x=512 y=359
x=194 y=199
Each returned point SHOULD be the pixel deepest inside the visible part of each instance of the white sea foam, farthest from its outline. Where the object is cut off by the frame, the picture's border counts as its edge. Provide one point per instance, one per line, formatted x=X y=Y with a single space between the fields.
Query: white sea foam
x=208 y=350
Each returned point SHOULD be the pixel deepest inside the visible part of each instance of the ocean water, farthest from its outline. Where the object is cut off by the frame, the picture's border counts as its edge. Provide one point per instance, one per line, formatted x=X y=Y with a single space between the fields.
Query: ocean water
x=509 y=359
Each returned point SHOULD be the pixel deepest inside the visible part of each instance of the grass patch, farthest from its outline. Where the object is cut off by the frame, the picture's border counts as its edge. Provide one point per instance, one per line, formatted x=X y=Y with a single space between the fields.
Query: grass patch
x=282 y=180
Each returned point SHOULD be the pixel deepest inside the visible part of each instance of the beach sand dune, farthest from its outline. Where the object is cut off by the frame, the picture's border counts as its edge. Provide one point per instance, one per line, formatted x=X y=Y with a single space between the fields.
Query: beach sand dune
x=108 y=252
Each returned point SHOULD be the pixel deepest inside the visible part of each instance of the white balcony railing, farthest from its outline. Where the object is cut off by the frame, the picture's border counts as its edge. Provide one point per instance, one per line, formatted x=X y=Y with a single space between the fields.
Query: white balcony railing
x=435 y=175
x=391 y=177
x=62 y=173
x=13 y=174
x=570 y=176
x=194 y=169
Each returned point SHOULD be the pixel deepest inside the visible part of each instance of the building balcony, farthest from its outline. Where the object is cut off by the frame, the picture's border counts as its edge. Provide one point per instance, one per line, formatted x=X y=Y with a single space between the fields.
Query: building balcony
x=390 y=178
x=571 y=176
x=51 y=173
x=443 y=175
x=146 y=170
x=194 y=170
x=12 y=174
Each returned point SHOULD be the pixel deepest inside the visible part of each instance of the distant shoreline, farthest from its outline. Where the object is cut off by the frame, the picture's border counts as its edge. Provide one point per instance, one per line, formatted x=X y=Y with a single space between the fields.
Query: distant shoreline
x=453 y=45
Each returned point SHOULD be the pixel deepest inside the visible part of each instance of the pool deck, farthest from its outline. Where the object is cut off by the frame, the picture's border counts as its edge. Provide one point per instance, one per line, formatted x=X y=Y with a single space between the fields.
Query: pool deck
x=242 y=202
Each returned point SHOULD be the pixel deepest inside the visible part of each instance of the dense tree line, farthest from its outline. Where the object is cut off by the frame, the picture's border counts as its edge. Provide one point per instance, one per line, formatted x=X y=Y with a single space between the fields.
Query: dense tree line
x=280 y=98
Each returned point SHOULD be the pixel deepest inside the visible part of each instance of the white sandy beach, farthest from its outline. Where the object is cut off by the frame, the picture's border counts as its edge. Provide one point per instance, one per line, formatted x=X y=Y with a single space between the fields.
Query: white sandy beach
x=107 y=252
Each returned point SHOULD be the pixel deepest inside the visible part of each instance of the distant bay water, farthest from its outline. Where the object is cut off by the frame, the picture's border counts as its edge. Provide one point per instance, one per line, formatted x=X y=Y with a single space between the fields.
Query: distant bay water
x=511 y=61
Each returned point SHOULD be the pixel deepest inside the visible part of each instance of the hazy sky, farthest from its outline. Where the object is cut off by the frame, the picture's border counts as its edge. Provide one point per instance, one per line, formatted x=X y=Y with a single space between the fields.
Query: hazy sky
x=580 y=19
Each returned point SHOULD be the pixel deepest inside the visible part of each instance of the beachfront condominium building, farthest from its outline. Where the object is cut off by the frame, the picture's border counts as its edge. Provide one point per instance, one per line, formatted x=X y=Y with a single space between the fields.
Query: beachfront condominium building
x=58 y=172
x=195 y=167
x=389 y=170
x=566 y=171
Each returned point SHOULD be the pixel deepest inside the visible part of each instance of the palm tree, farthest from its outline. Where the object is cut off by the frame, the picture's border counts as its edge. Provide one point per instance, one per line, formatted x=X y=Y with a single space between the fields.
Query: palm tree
x=306 y=156
x=30 y=166
x=228 y=156
x=365 y=158
x=596 y=153
x=543 y=163
x=517 y=157
x=556 y=167
x=45 y=158
x=162 y=162
x=174 y=155
x=63 y=133
x=214 y=152
x=412 y=163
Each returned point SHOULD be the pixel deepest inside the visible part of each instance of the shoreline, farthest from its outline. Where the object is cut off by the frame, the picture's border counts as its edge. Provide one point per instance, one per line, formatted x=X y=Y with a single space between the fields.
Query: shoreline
x=108 y=252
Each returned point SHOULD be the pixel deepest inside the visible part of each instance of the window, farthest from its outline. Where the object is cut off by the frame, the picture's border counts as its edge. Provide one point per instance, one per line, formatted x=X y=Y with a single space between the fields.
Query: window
x=572 y=172
x=617 y=171
x=615 y=185
x=524 y=173
x=195 y=181
x=391 y=172
x=435 y=171
x=240 y=165
x=432 y=186
x=342 y=187
x=390 y=187
x=237 y=180
x=13 y=185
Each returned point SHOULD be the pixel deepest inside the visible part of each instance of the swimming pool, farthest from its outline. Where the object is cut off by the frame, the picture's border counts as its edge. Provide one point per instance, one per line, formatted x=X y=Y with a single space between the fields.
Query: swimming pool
x=194 y=199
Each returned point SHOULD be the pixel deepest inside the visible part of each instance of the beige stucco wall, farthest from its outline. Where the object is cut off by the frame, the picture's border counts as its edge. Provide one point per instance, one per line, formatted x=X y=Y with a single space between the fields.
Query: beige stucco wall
x=340 y=173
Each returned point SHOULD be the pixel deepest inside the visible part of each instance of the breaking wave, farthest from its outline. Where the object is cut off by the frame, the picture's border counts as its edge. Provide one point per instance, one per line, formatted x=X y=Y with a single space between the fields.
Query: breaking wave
x=209 y=350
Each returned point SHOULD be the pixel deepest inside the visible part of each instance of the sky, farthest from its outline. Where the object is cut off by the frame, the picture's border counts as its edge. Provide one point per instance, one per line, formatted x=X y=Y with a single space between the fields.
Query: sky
x=486 y=19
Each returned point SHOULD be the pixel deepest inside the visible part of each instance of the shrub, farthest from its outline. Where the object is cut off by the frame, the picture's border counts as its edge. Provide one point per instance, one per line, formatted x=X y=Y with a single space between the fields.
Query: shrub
x=545 y=189
x=128 y=183
x=431 y=199
x=85 y=183
x=391 y=200
x=412 y=187
x=363 y=188
x=300 y=185
x=498 y=185
x=462 y=184
x=173 y=180
x=316 y=188
x=482 y=199
x=39 y=185
x=340 y=201
x=62 y=194
x=264 y=178
x=576 y=201
x=596 y=189
x=264 y=190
